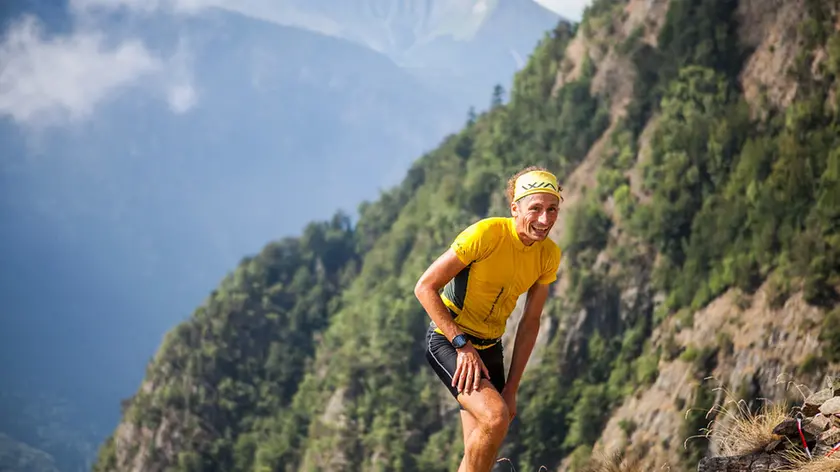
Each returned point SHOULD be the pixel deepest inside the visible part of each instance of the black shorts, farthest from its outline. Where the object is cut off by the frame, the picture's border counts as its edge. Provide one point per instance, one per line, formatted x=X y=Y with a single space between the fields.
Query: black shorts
x=443 y=358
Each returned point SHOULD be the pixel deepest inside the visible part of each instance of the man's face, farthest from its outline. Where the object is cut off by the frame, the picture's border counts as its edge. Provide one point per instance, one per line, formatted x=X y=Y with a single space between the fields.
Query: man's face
x=535 y=216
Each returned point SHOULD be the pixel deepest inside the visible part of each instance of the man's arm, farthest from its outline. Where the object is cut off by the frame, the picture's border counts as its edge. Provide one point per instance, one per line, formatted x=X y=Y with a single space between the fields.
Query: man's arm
x=469 y=366
x=526 y=334
x=428 y=287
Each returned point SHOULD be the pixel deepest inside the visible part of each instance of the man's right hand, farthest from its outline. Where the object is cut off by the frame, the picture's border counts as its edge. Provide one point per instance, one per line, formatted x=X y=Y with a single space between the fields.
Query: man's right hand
x=469 y=367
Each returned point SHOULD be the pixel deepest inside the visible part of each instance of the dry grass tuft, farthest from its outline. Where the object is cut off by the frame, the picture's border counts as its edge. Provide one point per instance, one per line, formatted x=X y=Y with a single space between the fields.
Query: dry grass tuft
x=800 y=462
x=736 y=430
x=617 y=462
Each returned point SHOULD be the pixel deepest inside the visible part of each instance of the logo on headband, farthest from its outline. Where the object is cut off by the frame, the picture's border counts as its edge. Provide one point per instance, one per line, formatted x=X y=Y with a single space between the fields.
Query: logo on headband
x=538 y=185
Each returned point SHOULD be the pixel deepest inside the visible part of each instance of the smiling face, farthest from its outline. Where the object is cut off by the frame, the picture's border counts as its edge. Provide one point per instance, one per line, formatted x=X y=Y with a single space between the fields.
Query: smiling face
x=535 y=216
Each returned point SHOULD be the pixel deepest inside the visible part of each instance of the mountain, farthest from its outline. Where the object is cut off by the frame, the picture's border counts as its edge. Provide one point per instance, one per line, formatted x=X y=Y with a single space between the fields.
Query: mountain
x=399 y=28
x=461 y=47
x=697 y=143
x=19 y=457
x=114 y=225
x=392 y=28
x=34 y=423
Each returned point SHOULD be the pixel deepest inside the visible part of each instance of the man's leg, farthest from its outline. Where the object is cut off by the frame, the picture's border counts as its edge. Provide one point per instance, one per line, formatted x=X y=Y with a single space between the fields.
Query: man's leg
x=484 y=414
x=493 y=358
x=468 y=423
x=490 y=420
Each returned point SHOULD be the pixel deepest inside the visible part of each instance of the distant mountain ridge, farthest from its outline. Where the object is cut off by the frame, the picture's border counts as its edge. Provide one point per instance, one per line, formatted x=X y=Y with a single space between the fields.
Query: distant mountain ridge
x=18 y=457
x=395 y=27
x=460 y=47
x=400 y=27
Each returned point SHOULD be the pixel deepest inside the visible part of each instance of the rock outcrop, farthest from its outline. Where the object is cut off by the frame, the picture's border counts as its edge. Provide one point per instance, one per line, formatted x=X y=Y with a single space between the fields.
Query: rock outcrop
x=806 y=440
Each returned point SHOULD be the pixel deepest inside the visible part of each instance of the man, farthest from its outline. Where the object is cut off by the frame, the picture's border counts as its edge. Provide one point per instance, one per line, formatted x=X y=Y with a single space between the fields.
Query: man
x=483 y=273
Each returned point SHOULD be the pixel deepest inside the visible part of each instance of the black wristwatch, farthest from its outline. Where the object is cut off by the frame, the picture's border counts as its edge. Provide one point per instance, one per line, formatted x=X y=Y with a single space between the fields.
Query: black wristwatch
x=459 y=341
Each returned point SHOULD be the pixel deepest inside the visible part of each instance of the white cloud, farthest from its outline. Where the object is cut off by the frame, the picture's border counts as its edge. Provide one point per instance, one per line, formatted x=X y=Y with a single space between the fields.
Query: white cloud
x=64 y=77
x=181 y=94
x=55 y=79
x=181 y=98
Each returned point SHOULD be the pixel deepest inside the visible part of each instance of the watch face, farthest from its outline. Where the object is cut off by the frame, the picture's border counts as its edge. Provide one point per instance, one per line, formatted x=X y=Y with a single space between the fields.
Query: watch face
x=459 y=341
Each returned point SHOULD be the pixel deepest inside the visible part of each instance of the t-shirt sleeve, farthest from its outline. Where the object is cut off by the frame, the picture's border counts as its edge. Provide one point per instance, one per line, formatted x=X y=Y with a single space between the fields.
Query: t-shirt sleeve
x=474 y=243
x=551 y=266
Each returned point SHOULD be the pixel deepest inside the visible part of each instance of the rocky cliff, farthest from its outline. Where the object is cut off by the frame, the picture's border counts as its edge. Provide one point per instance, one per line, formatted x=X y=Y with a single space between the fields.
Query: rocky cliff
x=697 y=145
x=750 y=344
x=739 y=345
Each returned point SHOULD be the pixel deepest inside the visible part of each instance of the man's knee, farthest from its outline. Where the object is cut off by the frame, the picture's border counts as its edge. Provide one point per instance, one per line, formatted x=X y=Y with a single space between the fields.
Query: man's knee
x=487 y=407
x=494 y=417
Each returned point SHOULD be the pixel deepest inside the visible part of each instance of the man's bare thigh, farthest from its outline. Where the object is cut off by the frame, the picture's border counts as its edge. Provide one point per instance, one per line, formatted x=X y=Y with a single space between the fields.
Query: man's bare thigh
x=483 y=402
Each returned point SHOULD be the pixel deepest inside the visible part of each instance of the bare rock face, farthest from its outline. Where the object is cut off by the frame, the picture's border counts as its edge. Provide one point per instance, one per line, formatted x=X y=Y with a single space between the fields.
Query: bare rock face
x=831 y=407
x=773 y=24
x=761 y=461
x=756 y=361
x=815 y=401
x=832 y=436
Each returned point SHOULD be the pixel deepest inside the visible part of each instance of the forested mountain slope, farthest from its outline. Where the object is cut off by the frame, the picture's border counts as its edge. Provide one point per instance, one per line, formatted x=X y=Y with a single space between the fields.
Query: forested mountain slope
x=697 y=141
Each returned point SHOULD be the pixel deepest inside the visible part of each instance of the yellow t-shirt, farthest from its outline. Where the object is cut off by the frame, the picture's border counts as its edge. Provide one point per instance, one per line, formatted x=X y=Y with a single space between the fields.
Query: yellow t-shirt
x=499 y=269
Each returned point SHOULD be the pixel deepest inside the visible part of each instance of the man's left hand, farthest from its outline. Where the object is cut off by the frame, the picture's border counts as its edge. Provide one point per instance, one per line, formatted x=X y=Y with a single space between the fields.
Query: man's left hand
x=509 y=395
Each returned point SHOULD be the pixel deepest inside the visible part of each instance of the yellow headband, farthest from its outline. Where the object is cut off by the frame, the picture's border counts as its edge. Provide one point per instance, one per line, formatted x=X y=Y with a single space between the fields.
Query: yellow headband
x=536 y=181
